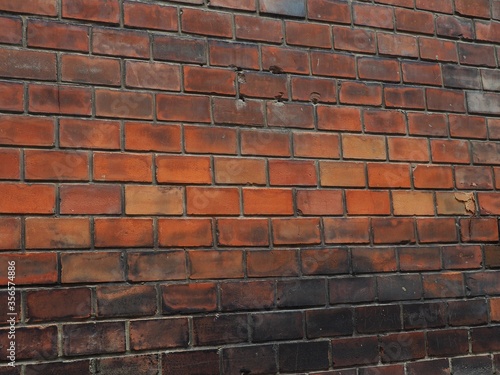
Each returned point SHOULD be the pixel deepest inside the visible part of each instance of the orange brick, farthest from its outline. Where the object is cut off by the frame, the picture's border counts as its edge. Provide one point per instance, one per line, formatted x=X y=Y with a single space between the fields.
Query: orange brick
x=268 y=143
x=267 y=201
x=27 y=199
x=12 y=97
x=152 y=137
x=93 y=70
x=339 y=118
x=315 y=90
x=216 y=264
x=290 y=115
x=432 y=177
x=57 y=233
x=397 y=45
x=31 y=268
x=214 y=140
x=316 y=145
x=56 y=165
x=55 y=35
x=243 y=232
x=333 y=65
x=495 y=309
x=363 y=147
x=10 y=160
x=479 y=229
x=363 y=202
x=240 y=171
x=279 y=59
x=427 y=124
x=438 y=230
x=156 y=76
x=413 y=203
x=123 y=104
x=92 y=10
x=123 y=232
x=202 y=22
x=185 y=232
x=347 y=230
x=156 y=266
x=90 y=199
x=209 y=80
x=153 y=200
x=292 y=172
x=408 y=149
x=489 y=203
x=450 y=151
x=10 y=233
x=309 y=35
x=212 y=201
x=188 y=108
x=183 y=169
x=93 y=134
x=342 y=174
x=296 y=231
x=92 y=267
x=26 y=131
x=150 y=16
x=122 y=167
x=120 y=42
x=361 y=93
x=275 y=263
x=377 y=121
x=385 y=175
x=320 y=202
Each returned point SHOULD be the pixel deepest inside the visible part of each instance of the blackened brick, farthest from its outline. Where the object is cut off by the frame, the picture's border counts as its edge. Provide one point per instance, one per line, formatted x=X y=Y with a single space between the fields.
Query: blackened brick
x=402 y=347
x=372 y=319
x=485 y=340
x=329 y=322
x=447 y=342
x=220 y=329
x=303 y=356
x=432 y=367
x=189 y=363
x=296 y=293
x=467 y=313
x=352 y=289
x=472 y=365
x=424 y=315
x=354 y=351
x=249 y=360
x=400 y=287
x=276 y=326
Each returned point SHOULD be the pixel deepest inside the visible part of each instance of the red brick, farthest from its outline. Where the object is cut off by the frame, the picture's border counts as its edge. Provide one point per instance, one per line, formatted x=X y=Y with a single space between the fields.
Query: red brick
x=361 y=93
x=59 y=304
x=342 y=174
x=243 y=232
x=28 y=64
x=153 y=200
x=223 y=264
x=90 y=199
x=93 y=338
x=478 y=55
x=39 y=343
x=324 y=262
x=46 y=34
x=422 y=73
x=496 y=172
x=156 y=266
x=40 y=7
x=385 y=175
x=440 y=50
x=123 y=232
x=363 y=147
x=209 y=80
x=454 y=203
x=143 y=364
x=124 y=104
x=488 y=31
x=240 y=171
x=454 y=27
x=238 y=112
x=291 y=115
x=10 y=233
x=361 y=202
x=171 y=48
x=27 y=199
x=414 y=21
x=183 y=169
x=68 y=100
x=296 y=231
x=91 y=267
x=495 y=309
x=31 y=268
x=432 y=177
x=196 y=21
x=184 y=232
x=245 y=56
x=272 y=263
x=316 y=145
x=491 y=256
x=268 y=143
x=11 y=97
x=419 y=258
x=94 y=10
x=292 y=172
x=156 y=76
x=333 y=64
x=150 y=16
x=144 y=334
x=433 y=124
x=479 y=229
x=409 y=203
x=366 y=260
x=473 y=8
x=461 y=257
x=93 y=134
x=408 y=149
x=387 y=230
x=314 y=90
x=152 y=137
x=319 y=202
x=441 y=6
x=329 y=11
x=467 y=126
x=214 y=140
x=9 y=164
x=234 y=4
x=57 y=233
x=93 y=70
x=279 y=60
x=258 y=29
x=474 y=178
x=124 y=43
x=56 y=165
x=377 y=69
x=263 y=85
x=125 y=300
x=377 y=121
x=397 y=45
x=356 y=40
x=374 y=16
x=489 y=203
x=212 y=201
x=251 y=295
x=450 y=151
x=184 y=363
x=339 y=118
x=188 y=108
x=486 y=153
x=307 y=34
x=267 y=201
x=198 y=297
x=122 y=167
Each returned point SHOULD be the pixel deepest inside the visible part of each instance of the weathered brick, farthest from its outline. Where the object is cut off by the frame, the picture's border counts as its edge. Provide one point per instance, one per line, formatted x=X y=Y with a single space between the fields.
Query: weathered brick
x=329 y=11
x=439 y=230
x=363 y=147
x=156 y=266
x=374 y=16
x=279 y=60
x=315 y=90
x=355 y=40
x=454 y=27
x=355 y=351
x=135 y=300
x=385 y=175
x=352 y=289
x=40 y=7
x=27 y=199
x=157 y=76
x=123 y=232
x=346 y=230
x=57 y=233
x=339 y=118
x=333 y=64
x=468 y=54
x=473 y=8
x=292 y=173
x=296 y=357
x=257 y=359
x=150 y=16
x=386 y=230
x=361 y=93
x=216 y=264
x=183 y=169
x=10 y=233
x=90 y=199
x=267 y=201
x=56 y=165
x=462 y=257
x=247 y=295
x=185 y=363
x=144 y=333
x=378 y=319
x=12 y=97
x=366 y=260
x=212 y=201
x=414 y=21
x=10 y=160
x=31 y=268
x=440 y=50
x=94 y=267
x=299 y=293
x=62 y=36
x=295 y=231
x=189 y=298
x=290 y=115
x=153 y=200
x=93 y=338
x=93 y=10
x=93 y=134
x=276 y=263
x=142 y=136
x=214 y=140
x=276 y=326
x=123 y=43
x=403 y=347
x=324 y=262
x=408 y=149
x=319 y=202
x=310 y=35
x=397 y=45
x=171 y=48
x=243 y=232
x=92 y=70
x=258 y=29
x=122 y=167
x=60 y=99
x=419 y=258
x=220 y=330
x=240 y=55
x=268 y=143
x=284 y=8
x=123 y=104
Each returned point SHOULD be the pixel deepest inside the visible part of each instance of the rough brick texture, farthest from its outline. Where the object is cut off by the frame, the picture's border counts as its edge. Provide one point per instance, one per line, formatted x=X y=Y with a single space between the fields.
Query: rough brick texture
x=198 y=187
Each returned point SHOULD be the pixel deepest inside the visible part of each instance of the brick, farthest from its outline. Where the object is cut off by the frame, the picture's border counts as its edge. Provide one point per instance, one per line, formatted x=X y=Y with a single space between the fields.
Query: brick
x=290 y=115
x=12 y=97
x=31 y=268
x=360 y=202
x=495 y=309
x=46 y=34
x=354 y=351
x=38 y=343
x=301 y=293
x=13 y=30
x=93 y=10
x=324 y=262
x=383 y=370
x=295 y=357
x=94 y=267
x=123 y=43
x=398 y=3
x=329 y=323
x=399 y=288
x=440 y=6
x=462 y=257
x=262 y=85
x=419 y=258
x=450 y=151
x=238 y=112
x=448 y=284
x=212 y=201
x=93 y=338
x=171 y=48
x=246 y=295
x=487 y=31
x=180 y=232
x=284 y=8
x=378 y=319
x=461 y=77
x=209 y=80
x=374 y=16
x=329 y=11
x=489 y=203
x=68 y=100
x=156 y=266
x=241 y=55
x=366 y=260
x=445 y=100
x=257 y=359
x=393 y=230
x=157 y=76
x=479 y=229
x=216 y=264
x=28 y=64
x=59 y=368
x=485 y=339
x=93 y=134
x=397 y=45
x=433 y=124
x=363 y=147
x=234 y=4
x=437 y=50
x=467 y=126
x=361 y=93
x=135 y=300
x=152 y=137
x=150 y=16
x=296 y=231
x=122 y=167
x=454 y=203
x=421 y=73
x=292 y=173
x=483 y=103
x=56 y=165
x=439 y=230
x=346 y=230
x=403 y=347
x=491 y=80
x=243 y=232
x=279 y=60
x=377 y=121
x=196 y=21
x=319 y=202
x=339 y=118
x=355 y=40
x=308 y=34
x=406 y=203
x=90 y=199
x=352 y=289
x=185 y=363
x=385 y=175
x=448 y=342
x=238 y=171
x=186 y=108
x=153 y=200
x=188 y=298
x=454 y=27
x=143 y=334
x=474 y=178
x=267 y=143
x=258 y=29
x=466 y=313
x=378 y=69
x=479 y=284
x=123 y=232
x=40 y=7
x=10 y=160
x=183 y=169
x=314 y=90
x=333 y=64
x=271 y=326
x=93 y=70
x=474 y=8
x=123 y=104
x=424 y=315
x=144 y=364
x=414 y=21
x=468 y=55
x=408 y=149
x=214 y=140
x=10 y=233
x=342 y=174
x=27 y=199
x=219 y=330
x=277 y=263
x=462 y=366
x=267 y=201
x=57 y=233
x=316 y=145
x=485 y=153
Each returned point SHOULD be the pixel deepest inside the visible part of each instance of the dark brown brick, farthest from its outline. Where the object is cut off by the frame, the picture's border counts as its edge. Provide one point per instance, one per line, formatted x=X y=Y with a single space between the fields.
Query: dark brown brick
x=171 y=48
x=399 y=288
x=189 y=363
x=378 y=319
x=481 y=283
x=307 y=356
x=249 y=359
x=365 y=260
x=431 y=367
x=144 y=334
x=298 y=293
x=252 y=295
x=402 y=347
x=276 y=326
x=32 y=343
x=485 y=340
x=329 y=323
x=93 y=338
x=448 y=342
x=60 y=304
x=189 y=298
x=144 y=364
x=471 y=365
x=424 y=315
x=220 y=330
x=57 y=368
x=136 y=300
x=355 y=351
x=468 y=313
x=324 y=262
x=352 y=289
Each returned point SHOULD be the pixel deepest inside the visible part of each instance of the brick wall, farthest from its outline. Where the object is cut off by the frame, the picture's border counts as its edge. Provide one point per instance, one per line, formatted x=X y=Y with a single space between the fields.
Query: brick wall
x=251 y=186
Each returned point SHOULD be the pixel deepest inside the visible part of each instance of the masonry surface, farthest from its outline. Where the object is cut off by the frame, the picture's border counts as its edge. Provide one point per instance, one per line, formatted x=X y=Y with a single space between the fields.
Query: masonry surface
x=219 y=187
